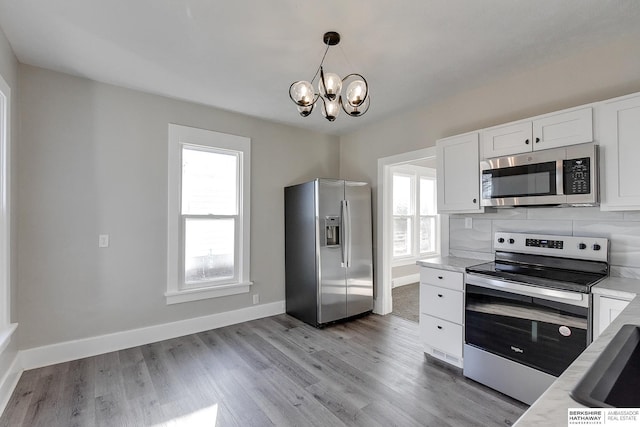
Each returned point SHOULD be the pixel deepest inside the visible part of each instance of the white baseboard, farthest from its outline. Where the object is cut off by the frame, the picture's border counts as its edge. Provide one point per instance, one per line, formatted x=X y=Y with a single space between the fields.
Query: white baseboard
x=77 y=349
x=9 y=381
x=405 y=280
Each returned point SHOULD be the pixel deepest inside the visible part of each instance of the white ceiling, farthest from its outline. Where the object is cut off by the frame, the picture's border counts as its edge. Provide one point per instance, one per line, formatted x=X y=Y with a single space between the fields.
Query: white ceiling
x=242 y=55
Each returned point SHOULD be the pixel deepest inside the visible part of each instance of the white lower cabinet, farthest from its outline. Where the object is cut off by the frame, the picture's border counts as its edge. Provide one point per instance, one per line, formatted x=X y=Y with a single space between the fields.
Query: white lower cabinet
x=605 y=310
x=442 y=336
x=442 y=314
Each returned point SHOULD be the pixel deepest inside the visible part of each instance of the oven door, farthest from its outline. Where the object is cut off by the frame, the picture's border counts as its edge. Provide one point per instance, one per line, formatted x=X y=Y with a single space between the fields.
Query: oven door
x=543 y=332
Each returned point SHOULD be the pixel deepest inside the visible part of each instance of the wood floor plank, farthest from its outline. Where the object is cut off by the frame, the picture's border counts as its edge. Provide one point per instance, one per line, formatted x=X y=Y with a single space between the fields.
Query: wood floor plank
x=45 y=406
x=279 y=371
x=135 y=375
x=78 y=391
x=16 y=410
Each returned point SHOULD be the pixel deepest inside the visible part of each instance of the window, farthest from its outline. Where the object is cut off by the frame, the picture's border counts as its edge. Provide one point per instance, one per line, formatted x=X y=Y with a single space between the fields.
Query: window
x=208 y=214
x=6 y=328
x=415 y=219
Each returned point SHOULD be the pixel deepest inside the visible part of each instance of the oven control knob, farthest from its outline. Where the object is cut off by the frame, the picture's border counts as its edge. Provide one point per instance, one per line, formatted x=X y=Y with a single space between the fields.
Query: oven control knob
x=501 y=240
x=511 y=241
x=596 y=247
x=582 y=246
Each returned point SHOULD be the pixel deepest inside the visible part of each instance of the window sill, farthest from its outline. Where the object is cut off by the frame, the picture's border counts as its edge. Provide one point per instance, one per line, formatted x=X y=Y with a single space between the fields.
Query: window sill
x=5 y=335
x=188 y=295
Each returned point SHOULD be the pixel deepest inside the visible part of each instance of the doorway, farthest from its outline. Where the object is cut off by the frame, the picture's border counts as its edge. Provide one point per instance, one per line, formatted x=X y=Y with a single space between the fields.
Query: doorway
x=399 y=270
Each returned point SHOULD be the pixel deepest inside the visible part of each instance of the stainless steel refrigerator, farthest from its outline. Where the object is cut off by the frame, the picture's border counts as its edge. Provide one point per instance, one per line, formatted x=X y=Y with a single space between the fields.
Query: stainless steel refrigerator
x=328 y=250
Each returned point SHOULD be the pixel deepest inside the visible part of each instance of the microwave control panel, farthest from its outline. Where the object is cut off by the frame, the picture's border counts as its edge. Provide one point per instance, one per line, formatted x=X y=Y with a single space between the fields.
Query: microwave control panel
x=577 y=176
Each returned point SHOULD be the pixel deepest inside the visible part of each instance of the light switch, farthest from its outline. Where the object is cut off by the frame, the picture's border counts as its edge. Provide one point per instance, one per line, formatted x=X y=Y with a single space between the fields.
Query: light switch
x=468 y=223
x=103 y=241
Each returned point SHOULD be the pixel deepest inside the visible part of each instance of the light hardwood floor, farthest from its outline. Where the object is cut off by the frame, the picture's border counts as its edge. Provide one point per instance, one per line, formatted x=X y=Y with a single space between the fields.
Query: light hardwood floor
x=273 y=371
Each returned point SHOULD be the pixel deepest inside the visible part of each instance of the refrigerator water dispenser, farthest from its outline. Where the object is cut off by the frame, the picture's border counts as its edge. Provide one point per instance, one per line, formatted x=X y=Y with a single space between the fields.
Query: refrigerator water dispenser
x=331 y=231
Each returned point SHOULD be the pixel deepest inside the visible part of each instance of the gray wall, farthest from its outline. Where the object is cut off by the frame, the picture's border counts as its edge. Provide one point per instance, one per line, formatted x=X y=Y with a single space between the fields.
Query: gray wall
x=9 y=72
x=93 y=160
x=600 y=73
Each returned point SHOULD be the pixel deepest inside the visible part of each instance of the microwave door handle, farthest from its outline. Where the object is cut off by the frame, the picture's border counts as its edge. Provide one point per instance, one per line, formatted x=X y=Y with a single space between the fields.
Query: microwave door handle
x=560 y=177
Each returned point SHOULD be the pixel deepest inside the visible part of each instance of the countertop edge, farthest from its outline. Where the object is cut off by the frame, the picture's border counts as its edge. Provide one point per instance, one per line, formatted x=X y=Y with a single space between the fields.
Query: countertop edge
x=449 y=263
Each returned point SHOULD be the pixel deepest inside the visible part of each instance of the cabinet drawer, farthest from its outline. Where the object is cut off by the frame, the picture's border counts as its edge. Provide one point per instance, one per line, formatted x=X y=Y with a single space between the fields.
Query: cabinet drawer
x=440 y=334
x=442 y=278
x=440 y=302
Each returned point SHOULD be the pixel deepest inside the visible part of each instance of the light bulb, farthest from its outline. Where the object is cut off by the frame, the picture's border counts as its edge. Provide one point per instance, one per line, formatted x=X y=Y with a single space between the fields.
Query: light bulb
x=301 y=93
x=358 y=110
x=333 y=84
x=356 y=92
x=331 y=109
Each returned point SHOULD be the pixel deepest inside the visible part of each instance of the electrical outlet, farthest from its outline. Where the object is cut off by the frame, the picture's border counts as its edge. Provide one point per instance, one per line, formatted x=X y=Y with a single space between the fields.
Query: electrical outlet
x=103 y=241
x=256 y=298
x=468 y=223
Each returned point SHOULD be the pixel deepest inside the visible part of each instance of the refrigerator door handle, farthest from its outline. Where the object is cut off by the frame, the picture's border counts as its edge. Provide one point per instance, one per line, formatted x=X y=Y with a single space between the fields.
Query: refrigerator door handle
x=343 y=233
x=348 y=233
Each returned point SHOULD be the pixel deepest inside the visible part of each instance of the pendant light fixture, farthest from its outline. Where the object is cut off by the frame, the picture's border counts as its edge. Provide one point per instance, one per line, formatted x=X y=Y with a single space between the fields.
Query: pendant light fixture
x=355 y=101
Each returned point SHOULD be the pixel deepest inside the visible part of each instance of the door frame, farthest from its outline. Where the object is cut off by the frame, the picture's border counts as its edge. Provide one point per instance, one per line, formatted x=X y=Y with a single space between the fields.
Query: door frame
x=383 y=303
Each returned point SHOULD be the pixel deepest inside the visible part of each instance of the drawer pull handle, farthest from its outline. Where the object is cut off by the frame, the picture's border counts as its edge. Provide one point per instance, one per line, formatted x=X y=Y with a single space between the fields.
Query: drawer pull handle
x=439 y=327
x=440 y=277
x=439 y=295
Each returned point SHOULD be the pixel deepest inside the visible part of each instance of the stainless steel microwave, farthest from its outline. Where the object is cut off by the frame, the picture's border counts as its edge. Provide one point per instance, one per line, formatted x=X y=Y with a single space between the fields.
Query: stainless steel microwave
x=565 y=176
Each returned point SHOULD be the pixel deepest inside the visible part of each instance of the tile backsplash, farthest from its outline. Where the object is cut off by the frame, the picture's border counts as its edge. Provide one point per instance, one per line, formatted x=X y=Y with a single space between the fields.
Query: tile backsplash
x=621 y=228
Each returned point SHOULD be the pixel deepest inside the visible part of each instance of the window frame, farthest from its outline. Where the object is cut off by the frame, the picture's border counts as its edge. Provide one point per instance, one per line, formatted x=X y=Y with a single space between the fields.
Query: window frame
x=411 y=216
x=210 y=141
x=6 y=327
x=416 y=173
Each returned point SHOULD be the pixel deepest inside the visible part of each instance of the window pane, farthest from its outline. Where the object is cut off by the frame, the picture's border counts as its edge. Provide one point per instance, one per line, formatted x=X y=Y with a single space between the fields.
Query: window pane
x=427 y=196
x=209 y=182
x=427 y=234
x=402 y=195
x=401 y=236
x=208 y=249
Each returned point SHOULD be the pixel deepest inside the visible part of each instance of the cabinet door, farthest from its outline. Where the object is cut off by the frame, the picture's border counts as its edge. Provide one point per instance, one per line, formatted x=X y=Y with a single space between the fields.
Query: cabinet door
x=505 y=140
x=619 y=152
x=458 y=174
x=606 y=310
x=558 y=130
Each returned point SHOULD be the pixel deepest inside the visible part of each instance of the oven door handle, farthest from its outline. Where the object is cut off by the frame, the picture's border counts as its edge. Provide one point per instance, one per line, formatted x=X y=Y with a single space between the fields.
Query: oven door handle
x=574 y=298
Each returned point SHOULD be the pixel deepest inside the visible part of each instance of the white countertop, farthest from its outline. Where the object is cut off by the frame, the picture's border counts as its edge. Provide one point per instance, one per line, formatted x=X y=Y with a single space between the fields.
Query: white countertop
x=449 y=263
x=551 y=408
x=619 y=287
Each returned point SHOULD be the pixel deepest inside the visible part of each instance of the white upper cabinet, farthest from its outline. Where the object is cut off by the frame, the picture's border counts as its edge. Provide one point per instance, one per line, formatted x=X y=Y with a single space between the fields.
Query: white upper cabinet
x=619 y=152
x=458 y=173
x=548 y=131
x=506 y=139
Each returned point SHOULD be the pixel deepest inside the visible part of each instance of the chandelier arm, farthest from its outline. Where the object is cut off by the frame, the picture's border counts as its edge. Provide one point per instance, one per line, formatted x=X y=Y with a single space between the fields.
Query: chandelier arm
x=324 y=84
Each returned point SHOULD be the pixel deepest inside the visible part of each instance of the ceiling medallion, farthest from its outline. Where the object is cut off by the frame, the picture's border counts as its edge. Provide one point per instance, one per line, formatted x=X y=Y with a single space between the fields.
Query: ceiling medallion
x=355 y=101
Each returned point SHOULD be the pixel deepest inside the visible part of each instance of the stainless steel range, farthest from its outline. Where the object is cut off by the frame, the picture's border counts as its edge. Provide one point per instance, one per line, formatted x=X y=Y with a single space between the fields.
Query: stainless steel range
x=528 y=313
